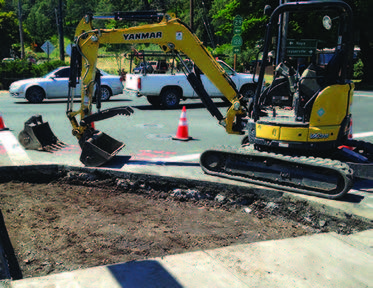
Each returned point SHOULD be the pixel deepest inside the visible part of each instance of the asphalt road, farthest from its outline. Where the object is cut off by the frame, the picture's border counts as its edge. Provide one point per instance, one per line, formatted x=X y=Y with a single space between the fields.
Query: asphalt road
x=148 y=132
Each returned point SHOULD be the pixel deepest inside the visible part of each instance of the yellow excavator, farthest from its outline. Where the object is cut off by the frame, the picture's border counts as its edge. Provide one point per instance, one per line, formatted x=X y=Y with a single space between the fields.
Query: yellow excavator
x=297 y=129
x=173 y=37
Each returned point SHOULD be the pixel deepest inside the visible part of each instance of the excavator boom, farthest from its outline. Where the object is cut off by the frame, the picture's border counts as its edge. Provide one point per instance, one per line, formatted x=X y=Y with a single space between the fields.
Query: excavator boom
x=173 y=37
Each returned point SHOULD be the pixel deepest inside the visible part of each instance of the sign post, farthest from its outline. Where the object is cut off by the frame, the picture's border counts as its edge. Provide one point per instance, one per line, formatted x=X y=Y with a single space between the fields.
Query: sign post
x=237 y=39
x=47 y=47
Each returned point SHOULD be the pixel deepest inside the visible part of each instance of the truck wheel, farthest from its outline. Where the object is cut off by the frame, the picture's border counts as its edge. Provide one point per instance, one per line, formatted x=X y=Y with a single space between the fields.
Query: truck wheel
x=35 y=94
x=248 y=91
x=154 y=100
x=170 y=98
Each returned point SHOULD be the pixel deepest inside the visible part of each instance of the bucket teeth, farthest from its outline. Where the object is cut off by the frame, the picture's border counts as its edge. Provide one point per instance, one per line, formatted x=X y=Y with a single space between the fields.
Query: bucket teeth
x=37 y=135
x=54 y=147
x=105 y=114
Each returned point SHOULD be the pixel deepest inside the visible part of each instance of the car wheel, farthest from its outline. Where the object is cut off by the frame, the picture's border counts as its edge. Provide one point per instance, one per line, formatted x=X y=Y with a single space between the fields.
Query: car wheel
x=105 y=93
x=35 y=94
x=170 y=98
x=248 y=91
x=154 y=100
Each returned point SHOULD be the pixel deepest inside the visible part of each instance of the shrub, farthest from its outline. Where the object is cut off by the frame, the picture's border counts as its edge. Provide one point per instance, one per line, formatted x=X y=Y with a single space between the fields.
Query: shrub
x=358 y=69
x=11 y=71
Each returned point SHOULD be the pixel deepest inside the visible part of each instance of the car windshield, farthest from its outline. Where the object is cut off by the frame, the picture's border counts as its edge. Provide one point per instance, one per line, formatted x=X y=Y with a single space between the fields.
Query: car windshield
x=226 y=67
x=50 y=74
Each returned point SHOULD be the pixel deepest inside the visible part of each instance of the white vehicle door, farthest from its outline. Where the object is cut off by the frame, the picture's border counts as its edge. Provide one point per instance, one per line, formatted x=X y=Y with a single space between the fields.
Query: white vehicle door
x=211 y=89
x=58 y=84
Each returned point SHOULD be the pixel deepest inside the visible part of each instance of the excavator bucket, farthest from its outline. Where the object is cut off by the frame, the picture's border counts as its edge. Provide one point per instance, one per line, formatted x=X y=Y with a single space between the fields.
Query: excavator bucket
x=98 y=149
x=37 y=135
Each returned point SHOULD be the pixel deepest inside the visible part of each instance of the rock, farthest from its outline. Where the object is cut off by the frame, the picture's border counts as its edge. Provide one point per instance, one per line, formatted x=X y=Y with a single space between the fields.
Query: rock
x=122 y=183
x=73 y=175
x=322 y=223
x=186 y=194
x=220 y=198
x=247 y=210
x=271 y=205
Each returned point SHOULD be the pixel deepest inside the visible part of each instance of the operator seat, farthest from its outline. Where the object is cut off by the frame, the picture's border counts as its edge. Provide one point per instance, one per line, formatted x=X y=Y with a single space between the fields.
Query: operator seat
x=312 y=81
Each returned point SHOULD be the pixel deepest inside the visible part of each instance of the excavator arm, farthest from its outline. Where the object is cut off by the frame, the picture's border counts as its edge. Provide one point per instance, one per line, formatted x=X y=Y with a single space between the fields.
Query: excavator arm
x=173 y=37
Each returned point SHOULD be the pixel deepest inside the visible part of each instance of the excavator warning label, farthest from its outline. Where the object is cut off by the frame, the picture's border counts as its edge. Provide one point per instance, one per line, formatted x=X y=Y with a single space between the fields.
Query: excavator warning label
x=142 y=36
x=179 y=35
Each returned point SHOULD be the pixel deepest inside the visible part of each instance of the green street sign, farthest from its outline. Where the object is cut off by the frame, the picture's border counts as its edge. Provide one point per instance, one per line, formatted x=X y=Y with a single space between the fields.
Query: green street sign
x=236 y=50
x=237 y=30
x=301 y=48
x=237 y=21
x=237 y=41
x=301 y=43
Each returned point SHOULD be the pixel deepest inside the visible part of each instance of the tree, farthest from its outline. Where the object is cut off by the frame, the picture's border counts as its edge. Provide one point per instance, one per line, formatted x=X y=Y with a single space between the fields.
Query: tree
x=41 y=22
x=8 y=30
x=212 y=20
x=363 y=22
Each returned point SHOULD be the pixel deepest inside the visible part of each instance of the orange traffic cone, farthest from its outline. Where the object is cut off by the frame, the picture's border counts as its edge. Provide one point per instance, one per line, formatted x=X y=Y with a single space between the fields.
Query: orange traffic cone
x=182 y=129
x=2 y=125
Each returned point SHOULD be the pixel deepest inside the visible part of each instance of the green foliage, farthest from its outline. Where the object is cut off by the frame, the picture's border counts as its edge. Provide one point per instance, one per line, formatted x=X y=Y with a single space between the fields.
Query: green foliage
x=212 y=23
x=223 y=16
x=8 y=32
x=41 y=22
x=11 y=71
x=358 y=69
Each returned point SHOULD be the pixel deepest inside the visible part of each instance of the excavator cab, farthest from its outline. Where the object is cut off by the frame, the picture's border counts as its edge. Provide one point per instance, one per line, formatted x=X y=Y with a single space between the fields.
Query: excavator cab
x=299 y=126
x=305 y=106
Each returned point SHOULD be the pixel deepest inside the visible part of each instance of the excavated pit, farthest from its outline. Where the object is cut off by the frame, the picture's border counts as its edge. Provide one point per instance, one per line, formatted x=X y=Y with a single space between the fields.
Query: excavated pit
x=61 y=219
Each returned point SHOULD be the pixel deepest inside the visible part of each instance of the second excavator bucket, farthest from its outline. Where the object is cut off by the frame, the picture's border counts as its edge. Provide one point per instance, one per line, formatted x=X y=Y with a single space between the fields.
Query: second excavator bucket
x=37 y=135
x=98 y=149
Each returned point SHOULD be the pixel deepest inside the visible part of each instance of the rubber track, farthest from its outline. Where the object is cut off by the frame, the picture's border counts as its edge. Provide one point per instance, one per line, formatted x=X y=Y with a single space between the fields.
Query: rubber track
x=228 y=155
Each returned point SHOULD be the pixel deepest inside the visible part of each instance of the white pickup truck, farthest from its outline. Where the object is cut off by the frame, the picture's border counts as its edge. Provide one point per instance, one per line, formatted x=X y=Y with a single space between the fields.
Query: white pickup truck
x=167 y=90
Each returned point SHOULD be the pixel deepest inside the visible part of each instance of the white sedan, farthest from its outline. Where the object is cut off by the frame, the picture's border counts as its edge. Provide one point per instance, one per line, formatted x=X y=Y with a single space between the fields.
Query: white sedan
x=56 y=85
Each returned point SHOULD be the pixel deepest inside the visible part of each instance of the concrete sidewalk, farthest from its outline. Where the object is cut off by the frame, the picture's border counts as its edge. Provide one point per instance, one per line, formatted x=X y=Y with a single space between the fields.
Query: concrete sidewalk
x=320 y=260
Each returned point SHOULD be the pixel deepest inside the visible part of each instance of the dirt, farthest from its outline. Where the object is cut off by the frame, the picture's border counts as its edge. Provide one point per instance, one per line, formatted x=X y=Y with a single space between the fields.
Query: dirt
x=81 y=220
